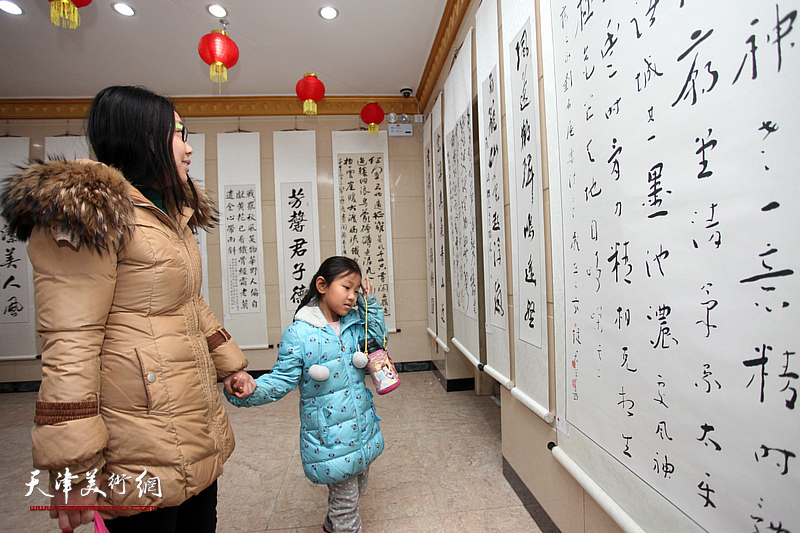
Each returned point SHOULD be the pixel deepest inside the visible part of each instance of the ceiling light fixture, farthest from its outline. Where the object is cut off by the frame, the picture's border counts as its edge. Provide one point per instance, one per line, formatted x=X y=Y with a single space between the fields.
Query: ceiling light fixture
x=124 y=9
x=217 y=10
x=10 y=7
x=328 y=12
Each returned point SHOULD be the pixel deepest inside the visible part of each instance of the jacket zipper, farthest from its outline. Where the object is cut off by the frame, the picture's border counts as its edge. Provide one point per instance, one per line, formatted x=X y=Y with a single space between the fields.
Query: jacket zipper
x=352 y=397
x=351 y=388
x=162 y=216
x=217 y=430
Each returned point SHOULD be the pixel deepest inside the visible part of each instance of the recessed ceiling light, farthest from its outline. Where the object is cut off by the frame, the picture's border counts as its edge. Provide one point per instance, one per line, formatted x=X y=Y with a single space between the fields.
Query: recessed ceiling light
x=217 y=10
x=124 y=9
x=328 y=12
x=10 y=7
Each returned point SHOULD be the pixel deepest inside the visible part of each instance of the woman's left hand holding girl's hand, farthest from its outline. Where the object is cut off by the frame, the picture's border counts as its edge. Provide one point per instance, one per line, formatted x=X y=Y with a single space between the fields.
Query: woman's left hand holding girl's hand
x=366 y=286
x=240 y=384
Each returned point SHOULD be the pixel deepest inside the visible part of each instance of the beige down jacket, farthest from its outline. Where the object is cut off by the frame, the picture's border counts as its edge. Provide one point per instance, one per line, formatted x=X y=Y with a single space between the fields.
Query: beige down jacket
x=131 y=352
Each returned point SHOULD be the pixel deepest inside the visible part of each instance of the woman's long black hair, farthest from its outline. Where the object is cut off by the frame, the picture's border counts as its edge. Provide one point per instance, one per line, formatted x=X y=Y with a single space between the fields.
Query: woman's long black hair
x=329 y=270
x=131 y=129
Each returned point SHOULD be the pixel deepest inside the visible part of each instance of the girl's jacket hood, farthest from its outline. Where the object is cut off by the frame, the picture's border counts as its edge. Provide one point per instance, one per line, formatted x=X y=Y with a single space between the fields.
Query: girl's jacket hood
x=84 y=203
x=314 y=316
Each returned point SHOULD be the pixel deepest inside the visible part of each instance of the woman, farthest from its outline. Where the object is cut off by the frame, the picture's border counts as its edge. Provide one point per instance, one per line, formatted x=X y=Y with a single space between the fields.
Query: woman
x=131 y=353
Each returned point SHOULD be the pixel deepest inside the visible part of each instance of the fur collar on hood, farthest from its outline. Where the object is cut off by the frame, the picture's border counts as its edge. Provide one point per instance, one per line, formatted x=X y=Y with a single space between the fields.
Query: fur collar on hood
x=312 y=315
x=84 y=203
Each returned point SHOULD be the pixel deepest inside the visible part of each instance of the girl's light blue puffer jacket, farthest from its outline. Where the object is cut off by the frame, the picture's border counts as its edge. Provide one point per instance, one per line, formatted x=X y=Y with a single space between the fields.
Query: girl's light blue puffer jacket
x=339 y=434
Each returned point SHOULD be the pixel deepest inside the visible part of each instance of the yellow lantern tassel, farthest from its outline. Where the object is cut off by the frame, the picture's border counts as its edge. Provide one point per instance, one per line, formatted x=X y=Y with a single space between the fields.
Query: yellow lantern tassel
x=219 y=74
x=373 y=129
x=310 y=107
x=64 y=13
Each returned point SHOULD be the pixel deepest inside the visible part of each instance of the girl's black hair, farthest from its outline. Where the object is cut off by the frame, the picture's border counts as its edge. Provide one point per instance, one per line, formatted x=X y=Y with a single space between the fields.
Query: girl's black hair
x=329 y=270
x=131 y=129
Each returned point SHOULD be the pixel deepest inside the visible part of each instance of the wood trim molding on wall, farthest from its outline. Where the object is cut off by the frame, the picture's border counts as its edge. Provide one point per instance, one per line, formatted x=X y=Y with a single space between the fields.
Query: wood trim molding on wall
x=452 y=18
x=211 y=106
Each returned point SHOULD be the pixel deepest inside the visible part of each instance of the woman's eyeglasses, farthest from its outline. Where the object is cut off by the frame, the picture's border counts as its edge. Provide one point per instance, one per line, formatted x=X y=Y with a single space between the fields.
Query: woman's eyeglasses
x=180 y=128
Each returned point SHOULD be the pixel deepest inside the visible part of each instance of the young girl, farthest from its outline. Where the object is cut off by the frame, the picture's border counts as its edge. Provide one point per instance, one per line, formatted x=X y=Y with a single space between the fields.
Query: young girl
x=339 y=434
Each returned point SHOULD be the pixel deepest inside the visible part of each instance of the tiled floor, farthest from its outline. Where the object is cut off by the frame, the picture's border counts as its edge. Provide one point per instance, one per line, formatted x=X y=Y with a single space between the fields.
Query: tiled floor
x=441 y=471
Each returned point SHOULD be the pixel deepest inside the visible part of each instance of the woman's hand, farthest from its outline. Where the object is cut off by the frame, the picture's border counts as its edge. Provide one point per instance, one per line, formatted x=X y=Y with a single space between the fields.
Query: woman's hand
x=69 y=520
x=240 y=384
x=366 y=286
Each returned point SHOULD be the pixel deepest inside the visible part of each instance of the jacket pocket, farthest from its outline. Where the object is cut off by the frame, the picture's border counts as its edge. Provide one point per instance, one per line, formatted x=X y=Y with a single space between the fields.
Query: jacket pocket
x=153 y=380
x=322 y=424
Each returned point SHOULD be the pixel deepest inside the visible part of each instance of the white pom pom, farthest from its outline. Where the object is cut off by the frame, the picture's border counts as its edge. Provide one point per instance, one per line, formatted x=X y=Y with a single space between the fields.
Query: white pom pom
x=360 y=359
x=319 y=373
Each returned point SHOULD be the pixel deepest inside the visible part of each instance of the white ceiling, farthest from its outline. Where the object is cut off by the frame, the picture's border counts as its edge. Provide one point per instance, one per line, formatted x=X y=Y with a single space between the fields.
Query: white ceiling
x=374 y=47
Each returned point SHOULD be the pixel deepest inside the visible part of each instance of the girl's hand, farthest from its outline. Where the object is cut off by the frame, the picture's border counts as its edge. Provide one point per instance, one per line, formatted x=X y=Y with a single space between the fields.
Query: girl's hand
x=366 y=287
x=240 y=384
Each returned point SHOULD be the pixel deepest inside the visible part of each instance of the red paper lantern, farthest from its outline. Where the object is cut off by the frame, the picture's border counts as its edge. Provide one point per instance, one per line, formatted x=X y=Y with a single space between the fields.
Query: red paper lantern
x=220 y=52
x=64 y=13
x=372 y=114
x=310 y=90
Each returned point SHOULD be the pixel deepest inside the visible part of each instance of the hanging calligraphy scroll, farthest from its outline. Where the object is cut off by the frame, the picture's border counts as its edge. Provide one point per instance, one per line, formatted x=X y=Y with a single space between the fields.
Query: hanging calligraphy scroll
x=439 y=222
x=676 y=126
x=242 y=247
x=461 y=207
x=297 y=214
x=531 y=374
x=241 y=243
x=529 y=261
x=487 y=58
x=361 y=203
x=18 y=318
x=198 y=173
x=430 y=232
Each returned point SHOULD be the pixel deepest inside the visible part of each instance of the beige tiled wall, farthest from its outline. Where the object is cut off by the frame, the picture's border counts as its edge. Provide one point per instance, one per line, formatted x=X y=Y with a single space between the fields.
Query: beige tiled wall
x=408 y=223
